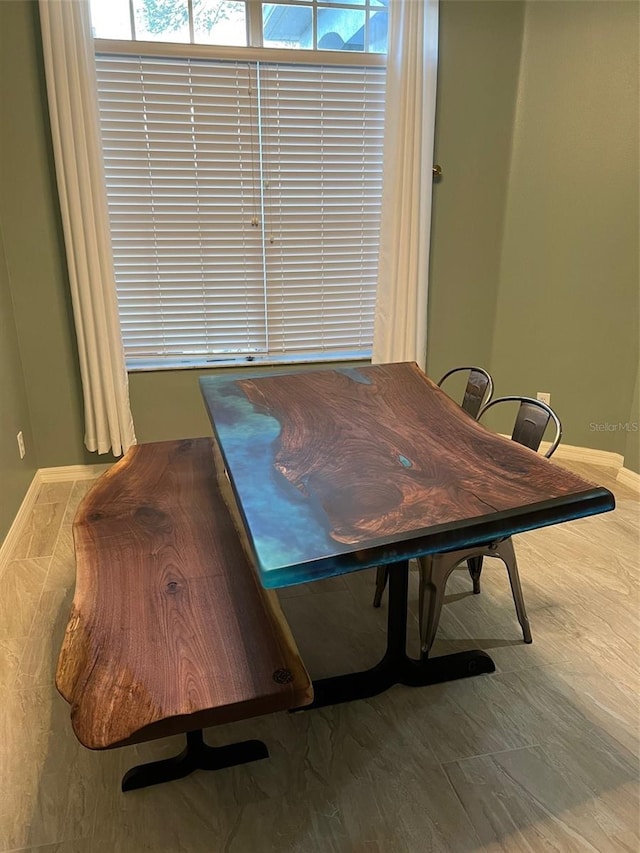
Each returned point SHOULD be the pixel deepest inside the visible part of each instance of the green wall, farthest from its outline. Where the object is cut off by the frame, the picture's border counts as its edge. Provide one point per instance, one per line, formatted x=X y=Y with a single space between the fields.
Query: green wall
x=33 y=244
x=15 y=474
x=567 y=311
x=632 y=437
x=479 y=61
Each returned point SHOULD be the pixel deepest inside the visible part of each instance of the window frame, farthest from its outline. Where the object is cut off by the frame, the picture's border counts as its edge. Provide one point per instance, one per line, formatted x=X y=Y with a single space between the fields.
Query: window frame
x=261 y=54
x=190 y=50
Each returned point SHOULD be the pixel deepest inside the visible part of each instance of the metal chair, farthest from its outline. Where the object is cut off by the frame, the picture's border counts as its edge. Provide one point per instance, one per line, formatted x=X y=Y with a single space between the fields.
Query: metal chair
x=478 y=392
x=530 y=424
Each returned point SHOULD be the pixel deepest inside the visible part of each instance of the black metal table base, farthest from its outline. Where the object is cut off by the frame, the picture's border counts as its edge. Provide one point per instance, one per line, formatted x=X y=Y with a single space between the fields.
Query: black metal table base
x=396 y=667
x=197 y=755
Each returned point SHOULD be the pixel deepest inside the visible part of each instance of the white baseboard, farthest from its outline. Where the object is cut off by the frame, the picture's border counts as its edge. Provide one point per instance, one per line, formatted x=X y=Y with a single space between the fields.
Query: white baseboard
x=15 y=531
x=629 y=478
x=605 y=458
x=72 y=472
x=43 y=475
x=572 y=453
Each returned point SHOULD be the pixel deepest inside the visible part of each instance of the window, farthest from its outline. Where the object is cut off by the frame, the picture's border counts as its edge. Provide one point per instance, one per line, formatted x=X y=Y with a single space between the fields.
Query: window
x=243 y=183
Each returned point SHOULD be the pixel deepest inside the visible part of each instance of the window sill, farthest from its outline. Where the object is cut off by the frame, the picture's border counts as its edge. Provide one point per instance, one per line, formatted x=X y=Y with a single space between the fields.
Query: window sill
x=313 y=361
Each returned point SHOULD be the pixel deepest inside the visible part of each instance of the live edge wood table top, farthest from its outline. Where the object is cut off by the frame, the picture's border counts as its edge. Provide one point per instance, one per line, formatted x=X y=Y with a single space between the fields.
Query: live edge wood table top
x=340 y=469
x=336 y=470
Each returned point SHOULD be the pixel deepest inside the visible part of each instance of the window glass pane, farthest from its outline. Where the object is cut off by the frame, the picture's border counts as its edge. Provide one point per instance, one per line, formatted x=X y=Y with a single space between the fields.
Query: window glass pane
x=219 y=22
x=161 y=20
x=345 y=2
x=287 y=26
x=110 y=19
x=378 y=27
x=340 y=29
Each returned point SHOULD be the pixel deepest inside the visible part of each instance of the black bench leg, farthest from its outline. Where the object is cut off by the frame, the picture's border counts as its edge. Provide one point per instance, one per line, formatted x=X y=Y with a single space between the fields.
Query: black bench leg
x=197 y=755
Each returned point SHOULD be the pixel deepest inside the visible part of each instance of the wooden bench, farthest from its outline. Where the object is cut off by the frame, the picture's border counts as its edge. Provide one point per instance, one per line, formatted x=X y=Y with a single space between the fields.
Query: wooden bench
x=170 y=631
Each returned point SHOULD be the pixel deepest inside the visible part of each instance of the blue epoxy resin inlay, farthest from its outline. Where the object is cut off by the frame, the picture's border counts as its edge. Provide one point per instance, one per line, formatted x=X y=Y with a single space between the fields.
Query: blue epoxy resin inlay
x=283 y=525
x=406 y=463
x=355 y=374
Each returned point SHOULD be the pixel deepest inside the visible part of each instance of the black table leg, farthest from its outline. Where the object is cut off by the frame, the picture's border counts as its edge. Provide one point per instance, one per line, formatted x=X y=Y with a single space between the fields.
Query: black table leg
x=197 y=755
x=396 y=667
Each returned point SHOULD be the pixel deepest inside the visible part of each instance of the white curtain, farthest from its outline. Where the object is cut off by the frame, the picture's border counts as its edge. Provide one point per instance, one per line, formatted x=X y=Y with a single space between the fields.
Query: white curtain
x=70 y=74
x=400 y=329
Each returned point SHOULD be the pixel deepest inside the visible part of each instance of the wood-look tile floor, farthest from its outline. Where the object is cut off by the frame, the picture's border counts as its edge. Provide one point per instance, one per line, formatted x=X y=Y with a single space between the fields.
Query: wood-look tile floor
x=540 y=756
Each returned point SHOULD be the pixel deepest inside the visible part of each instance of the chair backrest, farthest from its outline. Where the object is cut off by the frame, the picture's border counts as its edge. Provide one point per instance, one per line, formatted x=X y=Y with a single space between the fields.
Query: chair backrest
x=478 y=392
x=531 y=422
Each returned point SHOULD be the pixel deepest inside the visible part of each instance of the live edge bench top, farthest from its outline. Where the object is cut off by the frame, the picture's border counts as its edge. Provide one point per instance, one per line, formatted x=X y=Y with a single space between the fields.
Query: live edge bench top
x=169 y=630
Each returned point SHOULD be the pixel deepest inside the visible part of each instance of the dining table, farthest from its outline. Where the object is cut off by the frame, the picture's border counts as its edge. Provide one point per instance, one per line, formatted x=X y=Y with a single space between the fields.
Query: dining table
x=340 y=469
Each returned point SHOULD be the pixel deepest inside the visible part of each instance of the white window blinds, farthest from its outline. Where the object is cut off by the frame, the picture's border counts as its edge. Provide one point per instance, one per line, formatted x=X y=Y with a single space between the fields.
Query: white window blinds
x=244 y=202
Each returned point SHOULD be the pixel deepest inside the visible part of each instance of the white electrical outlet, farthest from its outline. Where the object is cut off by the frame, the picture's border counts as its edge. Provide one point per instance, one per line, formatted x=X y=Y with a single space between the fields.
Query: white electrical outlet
x=544 y=397
x=21 y=449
